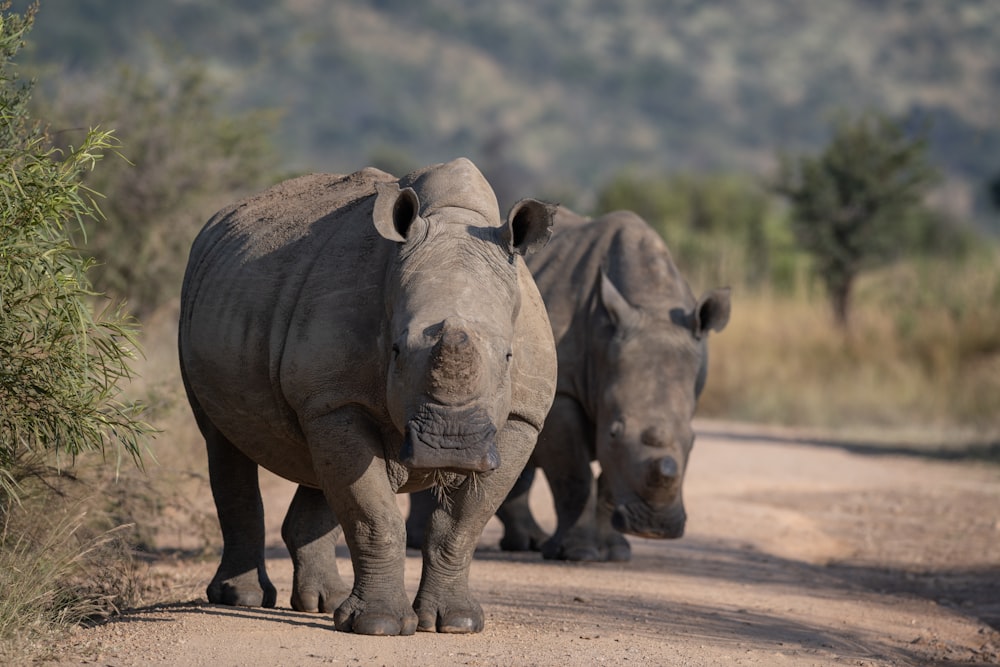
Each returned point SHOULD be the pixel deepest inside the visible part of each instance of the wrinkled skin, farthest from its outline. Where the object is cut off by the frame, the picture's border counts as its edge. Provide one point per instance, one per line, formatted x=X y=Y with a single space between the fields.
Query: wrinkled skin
x=631 y=343
x=363 y=337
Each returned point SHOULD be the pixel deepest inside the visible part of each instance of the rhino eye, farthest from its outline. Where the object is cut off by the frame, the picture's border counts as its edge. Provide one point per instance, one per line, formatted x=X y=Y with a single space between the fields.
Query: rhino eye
x=510 y=355
x=395 y=351
x=617 y=429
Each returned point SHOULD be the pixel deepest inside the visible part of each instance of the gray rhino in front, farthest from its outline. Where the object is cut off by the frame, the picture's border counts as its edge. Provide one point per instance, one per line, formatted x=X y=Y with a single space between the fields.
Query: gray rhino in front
x=364 y=336
x=632 y=347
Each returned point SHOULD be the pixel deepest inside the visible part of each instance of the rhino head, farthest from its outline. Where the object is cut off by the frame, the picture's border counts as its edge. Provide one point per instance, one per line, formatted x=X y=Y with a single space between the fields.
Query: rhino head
x=653 y=371
x=452 y=302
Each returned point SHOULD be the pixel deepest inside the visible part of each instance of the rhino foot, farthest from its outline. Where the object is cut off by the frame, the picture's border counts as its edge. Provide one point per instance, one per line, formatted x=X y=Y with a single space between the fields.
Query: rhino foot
x=355 y=615
x=618 y=549
x=515 y=539
x=553 y=550
x=319 y=597
x=244 y=590
x=461 y=617
x=615 y=549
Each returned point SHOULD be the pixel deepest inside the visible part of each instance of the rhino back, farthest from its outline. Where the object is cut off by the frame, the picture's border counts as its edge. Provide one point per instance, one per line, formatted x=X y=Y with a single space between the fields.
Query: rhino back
x=279 y=303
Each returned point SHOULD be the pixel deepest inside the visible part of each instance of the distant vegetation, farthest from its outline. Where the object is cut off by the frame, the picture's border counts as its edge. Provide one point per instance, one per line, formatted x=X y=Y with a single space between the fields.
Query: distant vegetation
x=555 y=97
x=678 y=111
x=185 y=157
x=860 y=203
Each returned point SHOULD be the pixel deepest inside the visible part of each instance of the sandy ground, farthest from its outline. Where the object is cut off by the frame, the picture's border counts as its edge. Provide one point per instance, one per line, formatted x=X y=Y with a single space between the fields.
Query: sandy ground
x=798 y=552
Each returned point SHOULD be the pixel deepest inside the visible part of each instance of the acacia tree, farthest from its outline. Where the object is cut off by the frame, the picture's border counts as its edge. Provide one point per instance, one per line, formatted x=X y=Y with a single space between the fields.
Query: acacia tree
x=60 y=361
x=856 y=204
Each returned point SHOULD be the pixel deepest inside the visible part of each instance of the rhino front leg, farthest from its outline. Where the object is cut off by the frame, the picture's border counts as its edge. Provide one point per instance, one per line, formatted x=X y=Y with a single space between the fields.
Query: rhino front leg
x=241 y=579
x=614 y=546
x=443 y=602
x=347 y=454
x=520 y=530
x=310 y=532
x=564 y=454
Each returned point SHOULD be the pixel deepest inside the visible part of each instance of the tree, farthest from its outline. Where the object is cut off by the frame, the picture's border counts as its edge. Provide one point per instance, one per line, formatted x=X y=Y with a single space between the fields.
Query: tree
x=60 y=362
x=856 y=204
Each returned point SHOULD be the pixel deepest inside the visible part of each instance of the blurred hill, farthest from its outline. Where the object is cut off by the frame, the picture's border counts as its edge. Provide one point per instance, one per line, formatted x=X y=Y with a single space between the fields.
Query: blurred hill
x=551 y=97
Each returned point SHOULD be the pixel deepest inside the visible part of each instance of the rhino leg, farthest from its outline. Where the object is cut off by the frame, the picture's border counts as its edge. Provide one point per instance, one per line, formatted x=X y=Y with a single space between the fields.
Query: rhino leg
x=348 y=456
x=241 y=579
x=612 y=544
x=564 y=454
x=520 y=530
x=422 y=504
x=310 y=531
x=443 y=602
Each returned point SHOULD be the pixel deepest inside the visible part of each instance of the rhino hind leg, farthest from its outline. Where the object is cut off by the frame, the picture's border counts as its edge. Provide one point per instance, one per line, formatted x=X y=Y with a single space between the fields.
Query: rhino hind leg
x=241 y=579
x=520 y=530
x=422 y=504
x=311 y=531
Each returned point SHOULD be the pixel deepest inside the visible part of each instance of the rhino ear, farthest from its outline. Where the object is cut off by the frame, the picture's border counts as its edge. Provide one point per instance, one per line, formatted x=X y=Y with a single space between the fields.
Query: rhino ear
x=623 y=314
x=395 y=211
x=712 y=312
x=528 y=226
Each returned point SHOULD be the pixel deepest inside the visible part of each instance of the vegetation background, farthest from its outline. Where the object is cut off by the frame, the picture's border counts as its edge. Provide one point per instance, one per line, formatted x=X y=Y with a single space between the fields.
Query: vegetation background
x=678 y=110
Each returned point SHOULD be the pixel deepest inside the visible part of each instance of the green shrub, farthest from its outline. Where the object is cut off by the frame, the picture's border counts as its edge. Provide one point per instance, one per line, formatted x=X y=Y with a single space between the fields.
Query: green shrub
x=61 y=364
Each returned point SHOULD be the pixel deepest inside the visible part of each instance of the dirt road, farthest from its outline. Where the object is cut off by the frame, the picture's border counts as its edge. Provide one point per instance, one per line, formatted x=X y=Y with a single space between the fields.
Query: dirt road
x=798 y=552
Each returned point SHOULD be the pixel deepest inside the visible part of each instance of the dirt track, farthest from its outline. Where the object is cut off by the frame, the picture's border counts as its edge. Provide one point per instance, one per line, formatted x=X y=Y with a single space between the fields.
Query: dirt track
x=797 y=553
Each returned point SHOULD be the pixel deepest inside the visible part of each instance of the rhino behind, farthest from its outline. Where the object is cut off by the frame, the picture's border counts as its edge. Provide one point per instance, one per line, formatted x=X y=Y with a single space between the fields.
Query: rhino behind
x=632 y=348
x=364 y=336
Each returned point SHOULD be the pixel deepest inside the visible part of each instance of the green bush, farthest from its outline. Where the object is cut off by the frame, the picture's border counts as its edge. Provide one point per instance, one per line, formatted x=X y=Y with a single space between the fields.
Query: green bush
x=61 y=363
x=722 y=229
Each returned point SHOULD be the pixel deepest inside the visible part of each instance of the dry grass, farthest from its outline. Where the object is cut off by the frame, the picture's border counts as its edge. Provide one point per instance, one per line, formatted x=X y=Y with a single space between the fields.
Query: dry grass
x=923 y=350
x=63 y=561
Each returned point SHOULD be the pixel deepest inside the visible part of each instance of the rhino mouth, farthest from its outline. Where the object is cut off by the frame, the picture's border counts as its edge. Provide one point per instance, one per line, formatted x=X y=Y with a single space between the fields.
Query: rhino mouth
x=460 y=440
x=640 y=519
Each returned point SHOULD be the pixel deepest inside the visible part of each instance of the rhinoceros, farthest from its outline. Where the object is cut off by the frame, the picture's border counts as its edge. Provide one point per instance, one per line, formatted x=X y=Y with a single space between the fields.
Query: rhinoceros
x=631 y=341
x=363 y=336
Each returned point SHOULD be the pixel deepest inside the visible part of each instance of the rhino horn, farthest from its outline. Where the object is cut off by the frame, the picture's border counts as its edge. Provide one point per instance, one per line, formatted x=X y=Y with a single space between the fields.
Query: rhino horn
x=663 y=471
x=455 y=365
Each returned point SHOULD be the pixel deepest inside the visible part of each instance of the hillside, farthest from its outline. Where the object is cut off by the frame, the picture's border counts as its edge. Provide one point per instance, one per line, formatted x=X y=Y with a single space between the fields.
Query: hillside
x=553 y=96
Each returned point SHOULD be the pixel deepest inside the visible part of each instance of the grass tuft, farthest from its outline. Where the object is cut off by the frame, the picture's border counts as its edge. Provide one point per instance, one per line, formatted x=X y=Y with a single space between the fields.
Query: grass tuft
x=59 y=566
